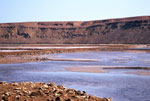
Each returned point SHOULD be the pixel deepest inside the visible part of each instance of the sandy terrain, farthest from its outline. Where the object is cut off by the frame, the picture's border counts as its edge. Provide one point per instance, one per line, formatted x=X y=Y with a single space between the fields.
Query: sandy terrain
x=86 y=69
x=103 y=69
x=146 y=73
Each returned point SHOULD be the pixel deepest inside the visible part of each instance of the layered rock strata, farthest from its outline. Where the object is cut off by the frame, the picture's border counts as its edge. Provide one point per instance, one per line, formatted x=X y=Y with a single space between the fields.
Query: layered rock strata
x=111 y=31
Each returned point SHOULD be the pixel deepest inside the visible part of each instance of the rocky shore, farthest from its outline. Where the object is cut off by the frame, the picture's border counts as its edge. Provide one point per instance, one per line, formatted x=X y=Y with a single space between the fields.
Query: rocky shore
x=28 y=91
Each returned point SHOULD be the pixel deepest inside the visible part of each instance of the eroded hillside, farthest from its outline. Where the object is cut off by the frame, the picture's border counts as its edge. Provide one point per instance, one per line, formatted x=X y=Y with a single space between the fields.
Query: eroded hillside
x=125 y=30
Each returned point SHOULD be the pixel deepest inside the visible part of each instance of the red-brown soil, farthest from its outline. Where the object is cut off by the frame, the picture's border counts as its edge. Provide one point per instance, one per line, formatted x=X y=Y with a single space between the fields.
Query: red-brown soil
x=118 y=31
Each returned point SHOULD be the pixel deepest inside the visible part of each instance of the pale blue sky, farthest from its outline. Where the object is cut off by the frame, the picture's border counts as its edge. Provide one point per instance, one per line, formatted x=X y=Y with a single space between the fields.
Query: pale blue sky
x=70 y=10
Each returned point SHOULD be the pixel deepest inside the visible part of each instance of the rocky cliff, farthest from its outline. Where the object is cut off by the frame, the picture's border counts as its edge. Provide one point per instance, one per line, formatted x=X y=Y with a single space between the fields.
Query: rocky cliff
x=110 y=31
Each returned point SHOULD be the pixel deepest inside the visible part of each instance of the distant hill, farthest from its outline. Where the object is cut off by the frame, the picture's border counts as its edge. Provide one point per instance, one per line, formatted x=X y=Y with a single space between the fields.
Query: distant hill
x=133 y=30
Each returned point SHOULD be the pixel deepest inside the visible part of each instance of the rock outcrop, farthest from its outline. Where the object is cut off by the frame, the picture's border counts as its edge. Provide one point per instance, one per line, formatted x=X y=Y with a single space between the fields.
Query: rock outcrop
x=28 y=91
x=134 y=30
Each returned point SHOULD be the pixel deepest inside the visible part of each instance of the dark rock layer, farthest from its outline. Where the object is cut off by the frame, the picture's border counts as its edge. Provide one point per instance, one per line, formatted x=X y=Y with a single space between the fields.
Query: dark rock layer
x=134 y=30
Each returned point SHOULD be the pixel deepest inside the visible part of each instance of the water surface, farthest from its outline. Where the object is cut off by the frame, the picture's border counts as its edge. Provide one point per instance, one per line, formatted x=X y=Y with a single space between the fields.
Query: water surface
x=116 y=84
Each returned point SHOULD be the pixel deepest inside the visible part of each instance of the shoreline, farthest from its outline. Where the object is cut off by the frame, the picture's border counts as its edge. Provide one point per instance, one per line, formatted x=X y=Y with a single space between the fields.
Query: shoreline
x=25 y=52
x=104 y=69
x=28 y=91
x=45 y=55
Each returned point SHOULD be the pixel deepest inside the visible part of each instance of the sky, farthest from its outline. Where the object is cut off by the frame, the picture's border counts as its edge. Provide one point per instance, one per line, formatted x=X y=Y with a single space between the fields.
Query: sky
x=70 y=10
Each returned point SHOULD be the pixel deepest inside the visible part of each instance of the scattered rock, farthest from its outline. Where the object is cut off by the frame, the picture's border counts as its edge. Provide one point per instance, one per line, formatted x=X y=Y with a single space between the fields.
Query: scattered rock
x=17 y=88
x=38 y=93
x=52 y=84
x=7 y=94
x=45 y=86
x=60 y=87
x=28 y=91
x=14 y=84
x=3 y=82
x=109 y=99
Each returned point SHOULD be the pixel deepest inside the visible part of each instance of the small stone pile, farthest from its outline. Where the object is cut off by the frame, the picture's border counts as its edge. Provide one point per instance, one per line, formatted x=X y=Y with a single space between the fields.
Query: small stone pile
x=28 y=91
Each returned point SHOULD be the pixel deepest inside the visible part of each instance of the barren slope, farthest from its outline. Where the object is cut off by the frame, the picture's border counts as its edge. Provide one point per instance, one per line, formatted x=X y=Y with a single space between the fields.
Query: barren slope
x=125 y=30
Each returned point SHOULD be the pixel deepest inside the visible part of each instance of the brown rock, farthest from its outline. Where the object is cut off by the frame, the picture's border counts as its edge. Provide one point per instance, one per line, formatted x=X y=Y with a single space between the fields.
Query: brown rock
x=3 y=82
x=4 y=98
x=14 y=84
x=109 y=31
x=38 y=93
x=52 y=84
x=48 y=92
x=17 y=88
x=7 y=94
x=45 y=86
x=60 y=87
x=109 y=99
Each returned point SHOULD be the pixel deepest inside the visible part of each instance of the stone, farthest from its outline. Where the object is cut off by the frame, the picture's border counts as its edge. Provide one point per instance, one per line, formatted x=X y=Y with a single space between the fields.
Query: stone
x=52 y=84
x=24 y=88
x=78 y=92
x=24 y=92
x=60 y=87
x=61 y=93
x=45 y=86
x=4 y=98
x=38 y=93
x=3 y=82
x=17 y=89
x=56 y=95
x=7 y=94
x=32 y=85
x=55 y=91
x=84 y=92
x=15 y=84
x=59 y=99
x=65 y=89
x=104 y=99
x=18 y=96
x=71 y=93
x=68 y=100
x=109 y=99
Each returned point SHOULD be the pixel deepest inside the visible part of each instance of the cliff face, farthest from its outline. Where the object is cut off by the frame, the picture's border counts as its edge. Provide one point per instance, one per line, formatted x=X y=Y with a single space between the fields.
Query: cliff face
x=126 y=30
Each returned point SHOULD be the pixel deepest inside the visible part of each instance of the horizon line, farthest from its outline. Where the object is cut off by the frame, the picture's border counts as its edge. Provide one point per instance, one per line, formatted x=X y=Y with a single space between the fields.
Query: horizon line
x=79 y=20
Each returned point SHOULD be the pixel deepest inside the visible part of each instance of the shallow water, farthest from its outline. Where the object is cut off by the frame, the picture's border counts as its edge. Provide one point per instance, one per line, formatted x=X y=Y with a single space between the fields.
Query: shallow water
x=115 y=84
x=111 y=58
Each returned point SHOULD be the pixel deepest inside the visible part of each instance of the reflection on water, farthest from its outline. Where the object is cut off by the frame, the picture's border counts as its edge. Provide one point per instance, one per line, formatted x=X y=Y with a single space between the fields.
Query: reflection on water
x=116 y=84
x=110 y=58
